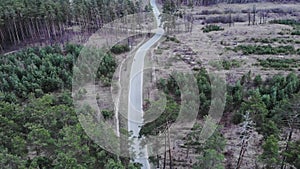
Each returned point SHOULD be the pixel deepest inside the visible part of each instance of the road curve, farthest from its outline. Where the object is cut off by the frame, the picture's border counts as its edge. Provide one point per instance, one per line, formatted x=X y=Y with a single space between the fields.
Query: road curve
x=135 y=97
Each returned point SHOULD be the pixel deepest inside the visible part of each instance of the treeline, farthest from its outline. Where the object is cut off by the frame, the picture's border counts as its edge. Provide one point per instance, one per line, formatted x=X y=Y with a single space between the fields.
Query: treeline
x=212 y=2
x=34 y=20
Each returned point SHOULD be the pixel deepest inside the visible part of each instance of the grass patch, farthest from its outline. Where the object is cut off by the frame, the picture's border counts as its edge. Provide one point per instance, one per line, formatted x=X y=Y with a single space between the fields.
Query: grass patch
x=216 y=64
x=225 y=64
x=158 y=51
x=229 y=64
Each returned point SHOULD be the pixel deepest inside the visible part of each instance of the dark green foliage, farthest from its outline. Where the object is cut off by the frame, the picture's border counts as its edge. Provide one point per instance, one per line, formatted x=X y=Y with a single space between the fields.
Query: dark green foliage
x=273 y=40
x=210 y=152
x=285 y=22
x=37 y=116
x=48 y=129
x=73 y=49
x=267 y=102
x=171 y=111
x=257 y=80
x=118 y=49
x=210 y=28
x=237 y=117
x=169 y=7
x=256 y=107
x=169 y=115
x=148 y=8
x=270 y=155
x=270 y=128
x=107 y=114
x=296 y=32
x=204 y=87
x=285 y=113
x=234 y=99
x=292 y=153
x=36 y=71
x=279 y=64
x=210 y=159
x=265 y=50
x=174 y=39
x=171 y=88
x=106 y=69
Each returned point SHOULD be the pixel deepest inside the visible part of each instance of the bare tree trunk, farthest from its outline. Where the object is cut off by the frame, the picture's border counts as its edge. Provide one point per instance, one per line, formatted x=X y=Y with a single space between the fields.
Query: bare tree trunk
x=170 y=153
x=26 y=27
x=254 y=13
x=287 y=146
x=230 y=19
x=11 y=34
x=16 y=31
x=187 y=152
x=22 y=31
x=48 y=29
x=249 y=18
x=32 y=29
x=1 y=35
x=1 y=48
x=53 y=28
x=37 y=27
x=165 y=153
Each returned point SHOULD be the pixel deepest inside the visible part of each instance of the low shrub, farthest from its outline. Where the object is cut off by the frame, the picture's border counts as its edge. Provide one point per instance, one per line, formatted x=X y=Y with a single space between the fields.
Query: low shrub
x=265 y=50
x=118 y=49
x=210 y=28
x=107 y=114
x=279 y=64
x=174 y=39
x=285 y=22
x=228 y=64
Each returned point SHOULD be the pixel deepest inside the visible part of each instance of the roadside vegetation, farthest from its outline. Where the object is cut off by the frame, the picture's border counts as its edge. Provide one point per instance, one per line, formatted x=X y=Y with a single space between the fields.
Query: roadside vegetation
x=118 y=49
